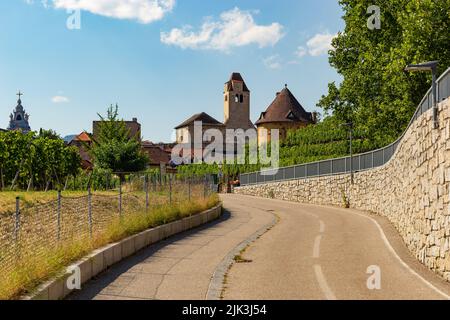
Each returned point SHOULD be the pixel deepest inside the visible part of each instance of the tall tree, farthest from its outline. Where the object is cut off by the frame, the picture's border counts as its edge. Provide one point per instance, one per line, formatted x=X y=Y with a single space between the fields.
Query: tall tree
x=113 y=147
x=376 y=94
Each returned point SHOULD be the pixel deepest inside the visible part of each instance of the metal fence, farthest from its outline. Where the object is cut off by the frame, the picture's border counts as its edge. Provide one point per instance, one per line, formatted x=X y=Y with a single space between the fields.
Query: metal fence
x=29 y=231
x=360 y=162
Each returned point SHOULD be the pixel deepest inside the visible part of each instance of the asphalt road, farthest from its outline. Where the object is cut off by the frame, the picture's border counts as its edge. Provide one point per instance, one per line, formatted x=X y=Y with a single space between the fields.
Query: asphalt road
x=318 y=252
x=299 y=252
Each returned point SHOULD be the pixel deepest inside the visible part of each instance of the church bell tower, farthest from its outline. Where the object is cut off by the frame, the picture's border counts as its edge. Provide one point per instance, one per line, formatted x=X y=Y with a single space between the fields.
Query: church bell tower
x=237 y=103
x=19 y=118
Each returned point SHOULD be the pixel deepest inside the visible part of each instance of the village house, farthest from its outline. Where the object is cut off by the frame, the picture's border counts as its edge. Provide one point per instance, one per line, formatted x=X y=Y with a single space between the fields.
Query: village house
x=82 y=141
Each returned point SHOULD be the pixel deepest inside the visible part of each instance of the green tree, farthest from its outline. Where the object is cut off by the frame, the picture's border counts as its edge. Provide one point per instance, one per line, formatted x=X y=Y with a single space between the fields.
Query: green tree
x=375 y=92
x=113 y=148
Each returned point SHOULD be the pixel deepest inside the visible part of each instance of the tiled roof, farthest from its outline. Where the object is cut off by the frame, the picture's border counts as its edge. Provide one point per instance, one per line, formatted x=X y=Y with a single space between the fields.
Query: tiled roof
x=203 y=117
x=156 y=153
x=83 y=137
x=285 y=108
x=236 y=76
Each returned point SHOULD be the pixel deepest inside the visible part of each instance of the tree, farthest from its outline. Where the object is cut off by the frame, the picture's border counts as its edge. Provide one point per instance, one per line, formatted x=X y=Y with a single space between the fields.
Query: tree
x=113 y=148
x=375 y=92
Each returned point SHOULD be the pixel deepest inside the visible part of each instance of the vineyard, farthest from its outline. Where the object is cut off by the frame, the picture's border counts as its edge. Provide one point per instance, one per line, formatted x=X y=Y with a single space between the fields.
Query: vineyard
x=326 y=140
x=35 y=161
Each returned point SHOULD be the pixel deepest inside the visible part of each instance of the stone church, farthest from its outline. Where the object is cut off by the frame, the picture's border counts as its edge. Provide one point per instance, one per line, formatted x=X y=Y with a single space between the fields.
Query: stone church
x=284 y=113
x=236 y=112
x=18 y=120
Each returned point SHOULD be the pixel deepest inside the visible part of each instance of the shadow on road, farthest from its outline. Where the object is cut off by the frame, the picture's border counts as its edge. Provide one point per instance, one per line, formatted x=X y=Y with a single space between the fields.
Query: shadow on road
x=104 y=279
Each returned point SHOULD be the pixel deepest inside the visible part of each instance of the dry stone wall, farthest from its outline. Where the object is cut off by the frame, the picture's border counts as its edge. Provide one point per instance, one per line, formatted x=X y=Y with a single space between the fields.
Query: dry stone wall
x=411 y=190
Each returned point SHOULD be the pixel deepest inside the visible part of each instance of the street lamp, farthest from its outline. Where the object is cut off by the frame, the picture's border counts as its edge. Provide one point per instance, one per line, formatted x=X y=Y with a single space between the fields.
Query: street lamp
x=429 y=66
x=350 y=127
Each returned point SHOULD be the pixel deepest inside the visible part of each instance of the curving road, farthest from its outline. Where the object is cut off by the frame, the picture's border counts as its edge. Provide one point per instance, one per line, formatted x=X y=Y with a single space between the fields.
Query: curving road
x=293 y=251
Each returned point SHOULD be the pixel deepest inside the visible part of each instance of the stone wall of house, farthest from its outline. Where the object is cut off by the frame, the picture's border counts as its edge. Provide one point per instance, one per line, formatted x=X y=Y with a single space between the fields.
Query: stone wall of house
x=411 y=190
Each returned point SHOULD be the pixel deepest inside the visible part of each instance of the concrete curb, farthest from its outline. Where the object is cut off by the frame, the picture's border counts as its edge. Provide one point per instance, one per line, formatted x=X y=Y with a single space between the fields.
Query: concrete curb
x=216 y=286
x=103 y=258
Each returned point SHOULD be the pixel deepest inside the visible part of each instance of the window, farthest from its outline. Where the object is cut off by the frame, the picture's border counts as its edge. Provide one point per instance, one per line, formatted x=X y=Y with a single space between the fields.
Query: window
x=226 y=98
x=241 y=98
x=236 y=99
x=19 y=118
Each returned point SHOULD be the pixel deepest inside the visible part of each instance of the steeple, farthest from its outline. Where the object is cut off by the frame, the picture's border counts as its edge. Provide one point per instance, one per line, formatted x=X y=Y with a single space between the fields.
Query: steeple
x=19 y=118
x=237 y=103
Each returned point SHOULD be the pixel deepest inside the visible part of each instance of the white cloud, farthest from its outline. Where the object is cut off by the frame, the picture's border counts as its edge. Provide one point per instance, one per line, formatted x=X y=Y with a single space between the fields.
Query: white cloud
x=60 y=99
x=145 y=11
x=272 y=62
x=301 y=52
x=235 y=28
x=320 y=44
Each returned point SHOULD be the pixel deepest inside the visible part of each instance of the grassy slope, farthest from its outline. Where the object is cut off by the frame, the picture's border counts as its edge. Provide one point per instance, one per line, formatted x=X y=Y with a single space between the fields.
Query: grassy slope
x=8 y=198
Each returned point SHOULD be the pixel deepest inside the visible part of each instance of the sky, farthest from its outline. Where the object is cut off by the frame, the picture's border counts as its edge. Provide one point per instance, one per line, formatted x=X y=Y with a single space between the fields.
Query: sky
x=161 y=61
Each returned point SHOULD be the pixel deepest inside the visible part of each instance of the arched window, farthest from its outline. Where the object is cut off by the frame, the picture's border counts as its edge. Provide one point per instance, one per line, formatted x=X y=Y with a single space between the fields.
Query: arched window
x=236 y=98
x=19 y=118
x=241 y=98
x=226 y=98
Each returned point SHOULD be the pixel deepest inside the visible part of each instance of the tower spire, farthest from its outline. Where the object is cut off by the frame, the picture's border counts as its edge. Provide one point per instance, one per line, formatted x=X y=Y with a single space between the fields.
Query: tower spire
x=20 y=94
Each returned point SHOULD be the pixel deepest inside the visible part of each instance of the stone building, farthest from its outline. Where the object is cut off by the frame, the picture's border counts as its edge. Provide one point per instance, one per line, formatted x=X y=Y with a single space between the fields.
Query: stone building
x=284 y=113
x=185 y=131
x=237 y=104
x=236 y=112
x=19 y=118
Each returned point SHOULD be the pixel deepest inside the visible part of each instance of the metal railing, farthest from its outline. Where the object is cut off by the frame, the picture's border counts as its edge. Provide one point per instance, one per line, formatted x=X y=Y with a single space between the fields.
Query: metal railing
x=361 y=162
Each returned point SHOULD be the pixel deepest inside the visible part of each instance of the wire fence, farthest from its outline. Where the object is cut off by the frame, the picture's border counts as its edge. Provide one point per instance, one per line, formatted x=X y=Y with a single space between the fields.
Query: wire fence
x=30 y=231
x=359 y=162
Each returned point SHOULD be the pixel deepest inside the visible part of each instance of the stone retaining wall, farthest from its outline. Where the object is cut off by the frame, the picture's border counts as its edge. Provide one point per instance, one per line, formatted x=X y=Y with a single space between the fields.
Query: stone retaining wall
x=411 y=190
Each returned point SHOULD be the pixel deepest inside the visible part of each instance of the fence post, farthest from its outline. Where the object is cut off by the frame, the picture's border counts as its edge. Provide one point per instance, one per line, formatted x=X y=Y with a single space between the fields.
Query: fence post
x=90 y=210
x=170 y=189
x=189 y=188
x=146 y=193
x=17 y=220
x=204 y=187
x=120 y=197
x=59 y=214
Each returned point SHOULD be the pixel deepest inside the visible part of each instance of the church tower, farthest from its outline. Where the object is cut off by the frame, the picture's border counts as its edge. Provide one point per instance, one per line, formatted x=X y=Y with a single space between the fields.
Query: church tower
x=237 y=103
x=19 y=118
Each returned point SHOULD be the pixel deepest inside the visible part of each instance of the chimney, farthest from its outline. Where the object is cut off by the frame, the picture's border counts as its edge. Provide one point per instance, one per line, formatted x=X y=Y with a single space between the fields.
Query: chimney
x=134 y=119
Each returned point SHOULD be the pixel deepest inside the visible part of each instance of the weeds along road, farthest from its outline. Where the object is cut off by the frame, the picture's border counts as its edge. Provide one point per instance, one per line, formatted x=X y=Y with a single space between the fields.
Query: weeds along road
x=279 y=250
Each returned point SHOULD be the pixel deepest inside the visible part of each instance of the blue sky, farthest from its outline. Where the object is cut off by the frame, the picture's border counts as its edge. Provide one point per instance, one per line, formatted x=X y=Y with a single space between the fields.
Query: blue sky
x=144 y=56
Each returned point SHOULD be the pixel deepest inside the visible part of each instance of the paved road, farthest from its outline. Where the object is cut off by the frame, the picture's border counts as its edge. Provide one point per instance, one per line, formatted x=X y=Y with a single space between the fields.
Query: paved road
x=312 y=252
x=179 y=268
x=317 y=252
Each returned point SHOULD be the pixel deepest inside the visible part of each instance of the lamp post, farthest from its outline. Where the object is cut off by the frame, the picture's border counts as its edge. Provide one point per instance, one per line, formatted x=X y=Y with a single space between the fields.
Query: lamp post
x=350 y=128
x=429 y=66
